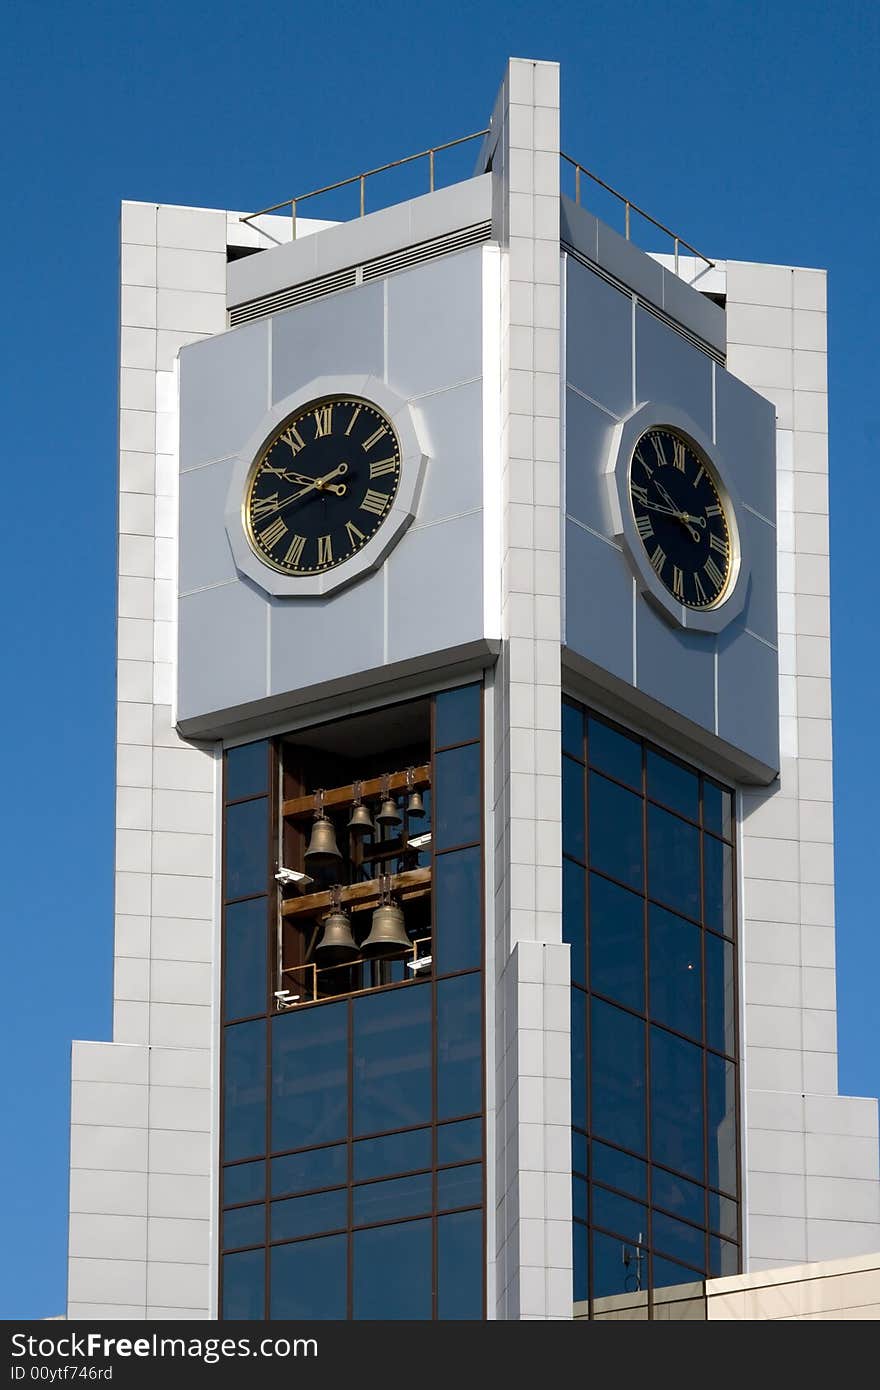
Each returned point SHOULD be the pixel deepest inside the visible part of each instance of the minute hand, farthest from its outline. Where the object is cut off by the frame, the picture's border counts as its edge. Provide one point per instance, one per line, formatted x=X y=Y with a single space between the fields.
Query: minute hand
x=315 y=485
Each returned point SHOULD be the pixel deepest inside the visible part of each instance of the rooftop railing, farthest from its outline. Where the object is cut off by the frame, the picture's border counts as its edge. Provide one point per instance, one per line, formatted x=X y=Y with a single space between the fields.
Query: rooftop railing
x=630 y=208
x=361 y=179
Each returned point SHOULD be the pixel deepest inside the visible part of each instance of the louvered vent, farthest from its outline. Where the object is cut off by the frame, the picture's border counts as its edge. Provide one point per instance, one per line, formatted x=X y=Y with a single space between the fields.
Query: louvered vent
x=353 y=275
x=646 y=304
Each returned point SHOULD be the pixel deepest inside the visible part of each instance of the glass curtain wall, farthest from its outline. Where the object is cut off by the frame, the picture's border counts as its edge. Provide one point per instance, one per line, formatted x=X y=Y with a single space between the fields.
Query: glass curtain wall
x=353 y=1148
x=649 y=912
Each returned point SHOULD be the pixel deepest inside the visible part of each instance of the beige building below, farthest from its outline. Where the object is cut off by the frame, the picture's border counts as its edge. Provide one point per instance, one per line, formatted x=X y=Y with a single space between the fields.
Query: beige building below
x=834 y=1290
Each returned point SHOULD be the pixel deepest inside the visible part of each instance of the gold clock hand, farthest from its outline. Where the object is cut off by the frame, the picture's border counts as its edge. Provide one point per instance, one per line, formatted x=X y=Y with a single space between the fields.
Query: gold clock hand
x=289 y=476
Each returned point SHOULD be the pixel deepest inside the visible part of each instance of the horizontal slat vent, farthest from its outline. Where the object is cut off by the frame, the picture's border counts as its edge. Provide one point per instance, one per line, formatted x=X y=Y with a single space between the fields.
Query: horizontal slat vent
x=353 y=275
x=693 y=338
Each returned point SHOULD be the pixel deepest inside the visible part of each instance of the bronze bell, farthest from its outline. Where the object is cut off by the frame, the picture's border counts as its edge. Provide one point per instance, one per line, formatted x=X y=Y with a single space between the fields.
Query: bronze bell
x=415 y=807
x=387 y=936
x=337 y=945
x=360 y=822
x=388 y=813
x=322 y=844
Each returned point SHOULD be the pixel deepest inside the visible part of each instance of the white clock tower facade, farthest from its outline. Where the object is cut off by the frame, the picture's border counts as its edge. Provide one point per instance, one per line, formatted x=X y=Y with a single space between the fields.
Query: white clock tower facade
x=474 y=883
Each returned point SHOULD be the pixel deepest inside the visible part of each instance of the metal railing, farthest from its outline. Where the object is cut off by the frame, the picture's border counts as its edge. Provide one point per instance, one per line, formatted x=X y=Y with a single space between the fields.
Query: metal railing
x=361 y=179
x=631 y=207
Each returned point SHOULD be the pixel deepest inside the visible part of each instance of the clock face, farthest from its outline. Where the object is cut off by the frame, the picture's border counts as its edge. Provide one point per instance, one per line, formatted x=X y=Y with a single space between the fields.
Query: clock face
x=322 y=486
x=681 y=518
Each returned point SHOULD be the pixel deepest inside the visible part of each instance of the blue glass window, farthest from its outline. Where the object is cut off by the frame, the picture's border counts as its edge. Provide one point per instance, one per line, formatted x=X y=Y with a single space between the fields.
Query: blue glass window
x=460 y=1266
x=457 y=716
x=460 y=1187
x=459 y=1047
x=573 y=917
x=578 y=1058
x=458 y=796
x=572 y=731
x=308 y=1216
x=617 y=1053
x=573 y=809
x=673 y=862
x=247 y=770
x=717 y=810
x=386 y=1201
x=247 y=848
x=458 y=1142
x=619 y=1266
x=396 y=1153
x=720 y=994
x=615 y=831
x=308 y=1280
x=579 y=1198
x=681 y=1241
x=675 y=786
x=244 y=959
x=678 y=1196
x=579 y=1160
x=723 y=1215
x=619 y=1170
x=392 y=1272
x=458 y=911
x=244 y=1090
x=718 y=885
x=723 y=1258
x=392 y=1059
x=244 y=1286
x=666 y=1273
x=579 y=1251
x=676 y=1103
x=676 y=972
x=309 y=1076
x=244 y=1226
x=619 y=1214
x=615 y=753
x=245 y=1182
x=617 y=942
x=304 y=1172
x=721 y=1089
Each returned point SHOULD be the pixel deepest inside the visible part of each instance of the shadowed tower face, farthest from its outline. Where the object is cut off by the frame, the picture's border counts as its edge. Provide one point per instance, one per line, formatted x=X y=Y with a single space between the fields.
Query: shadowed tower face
x=474 y=890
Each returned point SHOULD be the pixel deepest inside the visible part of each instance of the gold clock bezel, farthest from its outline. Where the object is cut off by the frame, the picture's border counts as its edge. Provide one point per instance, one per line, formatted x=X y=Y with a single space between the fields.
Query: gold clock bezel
x=724 y=501
x=269 y=443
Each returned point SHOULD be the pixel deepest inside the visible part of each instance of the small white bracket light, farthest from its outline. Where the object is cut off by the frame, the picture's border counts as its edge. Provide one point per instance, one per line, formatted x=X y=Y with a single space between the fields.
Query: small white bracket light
x=286 y=999
x=419 y=841
x=291 y=878
x=423 y=963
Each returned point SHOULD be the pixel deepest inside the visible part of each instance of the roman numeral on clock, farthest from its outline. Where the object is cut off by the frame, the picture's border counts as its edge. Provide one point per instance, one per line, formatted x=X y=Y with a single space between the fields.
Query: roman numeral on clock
x=295 y=550
x=658 y=559
x=262 y=505
x=354 y=535
x=272 y=534
x=677 y=582
x=293 y=439
x=658 y=450
x=639 y=493
x=355 y=413
x=714 y=572
x=678 y=454
x=374 y=502
x=701 y=592
x=713 y=509
x=323 y=420
x=644 y=527
x=380 y=466
x=718 y=543
x=325 y=550
x=375 y=437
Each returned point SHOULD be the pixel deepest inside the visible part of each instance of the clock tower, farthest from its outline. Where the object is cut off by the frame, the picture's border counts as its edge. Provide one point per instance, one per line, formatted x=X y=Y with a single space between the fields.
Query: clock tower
x=474 y=947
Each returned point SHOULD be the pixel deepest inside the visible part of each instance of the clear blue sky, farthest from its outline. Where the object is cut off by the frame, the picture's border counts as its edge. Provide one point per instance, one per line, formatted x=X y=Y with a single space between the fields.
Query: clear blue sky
x=750 y=127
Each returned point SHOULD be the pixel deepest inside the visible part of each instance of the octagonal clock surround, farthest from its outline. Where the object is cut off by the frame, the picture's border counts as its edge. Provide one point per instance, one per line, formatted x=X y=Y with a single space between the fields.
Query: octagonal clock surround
x=625 y=438
x=399 y=515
